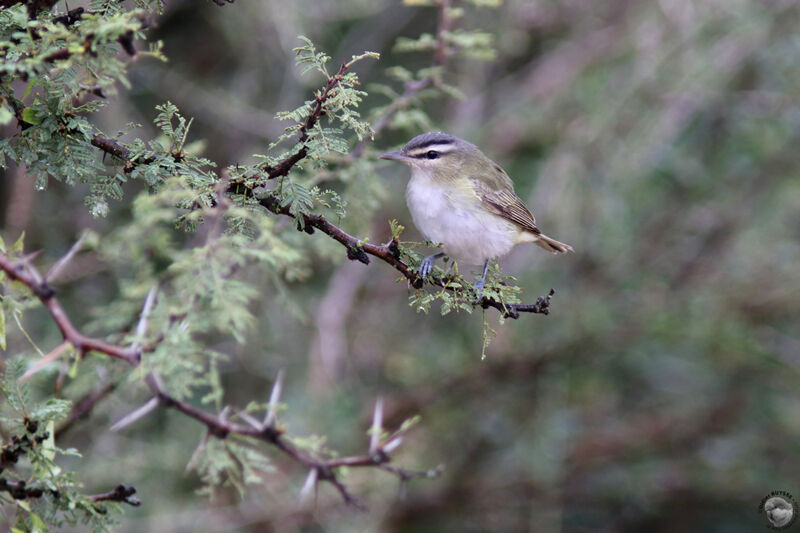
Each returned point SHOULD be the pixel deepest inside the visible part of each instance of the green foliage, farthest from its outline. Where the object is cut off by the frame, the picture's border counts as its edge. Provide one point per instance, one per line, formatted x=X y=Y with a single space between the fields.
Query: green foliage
x=64 y=66
x=44 y=494
x=229 y=463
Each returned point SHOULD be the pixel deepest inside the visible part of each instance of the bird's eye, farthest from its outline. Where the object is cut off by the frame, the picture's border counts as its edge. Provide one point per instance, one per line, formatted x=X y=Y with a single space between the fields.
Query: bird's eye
x=433 y=154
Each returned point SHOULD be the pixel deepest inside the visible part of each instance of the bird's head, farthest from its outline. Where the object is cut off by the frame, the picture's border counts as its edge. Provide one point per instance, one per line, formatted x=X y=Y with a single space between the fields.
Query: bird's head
x=435 y=152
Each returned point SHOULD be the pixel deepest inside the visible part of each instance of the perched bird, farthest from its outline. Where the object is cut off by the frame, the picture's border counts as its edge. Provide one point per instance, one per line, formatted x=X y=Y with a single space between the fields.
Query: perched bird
x=462 y=199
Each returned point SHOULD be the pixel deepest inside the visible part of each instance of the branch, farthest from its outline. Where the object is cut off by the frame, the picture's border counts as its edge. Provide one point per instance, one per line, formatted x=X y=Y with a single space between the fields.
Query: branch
x=316 y=112
x=26 y=274
x=120 y=493
x=113 y=147
x=70 y=17
x=358 y=250
x=323 y=467
x=125 y=40
x=19 y=489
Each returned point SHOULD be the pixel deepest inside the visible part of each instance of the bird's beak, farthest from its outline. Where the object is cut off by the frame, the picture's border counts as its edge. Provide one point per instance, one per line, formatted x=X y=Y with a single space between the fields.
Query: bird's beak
x=395 y=156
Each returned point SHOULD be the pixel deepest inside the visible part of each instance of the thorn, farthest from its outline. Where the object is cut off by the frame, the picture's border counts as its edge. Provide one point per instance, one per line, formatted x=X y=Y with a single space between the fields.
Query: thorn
x=377 y=425
x=39 y=365
x=28 y=258
x=392 y=445
x=393 y=248
x=274 y=399
x=58 y=267
x=141 y=412
x=141 y=327
x=308 y=486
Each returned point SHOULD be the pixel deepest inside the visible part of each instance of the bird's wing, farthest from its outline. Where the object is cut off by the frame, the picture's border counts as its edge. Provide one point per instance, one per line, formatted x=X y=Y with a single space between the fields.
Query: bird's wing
x=504 y=202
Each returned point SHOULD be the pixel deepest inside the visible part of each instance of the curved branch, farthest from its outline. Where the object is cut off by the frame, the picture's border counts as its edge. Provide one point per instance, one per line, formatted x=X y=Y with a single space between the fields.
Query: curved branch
x=21 y=271
x=358 y=250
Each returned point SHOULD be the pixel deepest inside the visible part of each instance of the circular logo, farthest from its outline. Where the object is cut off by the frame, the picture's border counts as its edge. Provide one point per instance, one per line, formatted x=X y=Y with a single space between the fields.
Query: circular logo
x=779 y=508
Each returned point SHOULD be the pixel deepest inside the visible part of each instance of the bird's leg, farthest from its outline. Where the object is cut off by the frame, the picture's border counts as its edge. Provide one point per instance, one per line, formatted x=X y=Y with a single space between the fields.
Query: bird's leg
x=427 y=265
x=481 y=282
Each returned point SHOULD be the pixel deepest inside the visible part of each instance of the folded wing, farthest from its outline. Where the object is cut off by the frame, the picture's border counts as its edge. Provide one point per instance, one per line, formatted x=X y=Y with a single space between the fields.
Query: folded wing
x=504 y=202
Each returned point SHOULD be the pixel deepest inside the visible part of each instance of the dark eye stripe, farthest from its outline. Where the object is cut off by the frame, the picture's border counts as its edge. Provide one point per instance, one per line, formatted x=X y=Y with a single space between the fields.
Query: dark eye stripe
x=422 y=153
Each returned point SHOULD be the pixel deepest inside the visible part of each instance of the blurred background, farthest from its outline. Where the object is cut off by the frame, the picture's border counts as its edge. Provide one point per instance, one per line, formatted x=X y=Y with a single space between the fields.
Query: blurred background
x=658 y=138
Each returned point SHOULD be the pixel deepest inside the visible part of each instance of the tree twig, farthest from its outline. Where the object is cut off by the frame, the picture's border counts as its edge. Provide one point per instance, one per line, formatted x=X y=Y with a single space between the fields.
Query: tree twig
x=120 y=493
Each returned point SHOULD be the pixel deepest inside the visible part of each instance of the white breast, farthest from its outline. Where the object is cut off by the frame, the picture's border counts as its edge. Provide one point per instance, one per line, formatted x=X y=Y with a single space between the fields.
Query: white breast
x=468 y=235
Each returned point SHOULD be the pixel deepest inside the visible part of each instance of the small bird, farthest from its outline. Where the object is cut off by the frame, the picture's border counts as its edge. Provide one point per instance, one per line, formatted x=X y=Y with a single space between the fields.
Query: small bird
x=462 y=199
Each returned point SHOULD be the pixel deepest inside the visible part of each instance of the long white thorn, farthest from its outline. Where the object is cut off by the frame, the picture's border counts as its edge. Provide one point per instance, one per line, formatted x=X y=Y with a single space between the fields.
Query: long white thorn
x=308 y=486
x=141 y=412
x=39 y=365
x=58 y=267
x=147 y=308
x=274 y=400
x=377 y=426
x=393 y=444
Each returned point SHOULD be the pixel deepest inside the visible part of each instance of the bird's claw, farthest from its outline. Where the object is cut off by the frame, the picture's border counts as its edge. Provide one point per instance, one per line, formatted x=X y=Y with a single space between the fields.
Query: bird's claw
x=426 y=266
x=478 y=287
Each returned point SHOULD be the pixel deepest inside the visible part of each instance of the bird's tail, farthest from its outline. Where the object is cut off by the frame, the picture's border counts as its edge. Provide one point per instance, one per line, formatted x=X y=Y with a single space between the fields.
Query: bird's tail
x=551 y=245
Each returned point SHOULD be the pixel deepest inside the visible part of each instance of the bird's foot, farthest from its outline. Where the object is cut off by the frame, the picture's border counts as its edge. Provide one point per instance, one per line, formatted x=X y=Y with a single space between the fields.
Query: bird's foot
x=478 y=287
x=480 y=284
x=426 y=266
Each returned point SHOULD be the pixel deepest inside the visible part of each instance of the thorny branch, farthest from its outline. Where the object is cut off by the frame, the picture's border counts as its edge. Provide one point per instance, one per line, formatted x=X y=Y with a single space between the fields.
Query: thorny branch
x=218 y=425
x=22 y=271
x=358 y=250
x=268 y=431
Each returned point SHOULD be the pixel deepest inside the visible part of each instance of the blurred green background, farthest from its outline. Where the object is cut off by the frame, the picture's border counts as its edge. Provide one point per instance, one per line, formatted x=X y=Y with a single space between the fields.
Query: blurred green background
x=658 y=138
